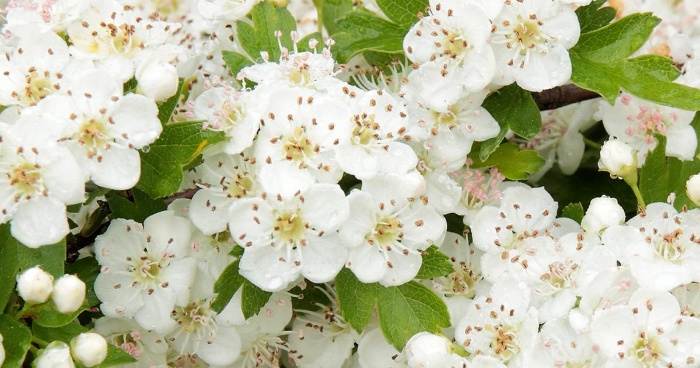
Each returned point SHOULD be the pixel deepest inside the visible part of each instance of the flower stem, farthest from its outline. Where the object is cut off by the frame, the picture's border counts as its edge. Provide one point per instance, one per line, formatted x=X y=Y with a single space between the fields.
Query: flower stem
x=637 y=192
x=24 y=311
x=592 y=144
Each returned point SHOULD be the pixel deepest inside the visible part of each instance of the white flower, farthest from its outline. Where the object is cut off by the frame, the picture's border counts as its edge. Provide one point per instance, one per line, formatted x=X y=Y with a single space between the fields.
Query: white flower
x=146 y=346
x=286 y=236
x=89 y=348
x=635 y=121
x=390 y=223
x=35 y=285
x=375 y=352
x=298 y=69
x=145 y=269
x=602 y=213
x=530 y=40
x=261 y=342
x=425 y=350
x=648 y=332
x=56 y=355
x=68 y=293
x=2 y=351
x=102 y=128
x=688 y=297
x=618 y=158
x=452 y=43
x=229 y=10
x=37 y=182
x=560 y=345
x=692 y=188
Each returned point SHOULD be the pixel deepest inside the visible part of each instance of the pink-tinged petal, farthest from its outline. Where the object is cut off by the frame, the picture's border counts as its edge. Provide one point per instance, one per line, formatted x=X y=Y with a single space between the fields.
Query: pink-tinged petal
x=40 y=221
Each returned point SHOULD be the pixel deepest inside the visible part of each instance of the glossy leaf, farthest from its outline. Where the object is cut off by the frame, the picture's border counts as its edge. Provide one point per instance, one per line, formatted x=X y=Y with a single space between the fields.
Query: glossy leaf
x=226 y=285
x=253 y=299
x=360 y=32
x=435 y=264
x=514 y=108
x=162 y=166
x=357 y=300
x=403 y=12
x=593 y=16
x=16 y=341
x=260 y=36
x=513 y=163
x=331 y=11
x=138 y=210
x=235 y=61
x=653 y=177
x=617 y=40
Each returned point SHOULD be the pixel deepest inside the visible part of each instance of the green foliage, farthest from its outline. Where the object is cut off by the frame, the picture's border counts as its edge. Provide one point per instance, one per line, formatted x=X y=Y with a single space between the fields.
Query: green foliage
x=514 y=109
x=592 y=17
x=573 y=211
x=16 y=341
x=600 y=64
x=166 y=108
x=260 y=36
x=362 y=31
x=403 y=310
x=162 y=165
x=513 y=163
x=403 y=12
x=330 y=10
x=435 y=264
x=138 y=210
x=253 y=299
x=235 y=61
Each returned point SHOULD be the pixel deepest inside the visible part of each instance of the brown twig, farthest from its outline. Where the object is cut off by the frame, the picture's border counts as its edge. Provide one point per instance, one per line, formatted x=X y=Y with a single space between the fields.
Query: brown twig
x=561 y=96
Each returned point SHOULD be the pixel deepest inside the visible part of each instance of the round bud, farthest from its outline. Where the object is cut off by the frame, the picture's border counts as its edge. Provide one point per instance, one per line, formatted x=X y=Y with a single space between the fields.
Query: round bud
x=157 y=79
x=89 y=348
x=35 y=285
x=601 y=214
x=68 y=293
x=2 y=352
x=425 y=348
x=692 y=188
x=56 y=355
x=618 y=158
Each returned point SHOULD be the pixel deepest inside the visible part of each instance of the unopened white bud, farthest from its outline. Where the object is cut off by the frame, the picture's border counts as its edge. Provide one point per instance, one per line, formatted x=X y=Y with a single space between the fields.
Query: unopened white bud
x=692 y=188
x=56 y=355
x=618 y=158
x=425 y=348
x=157 y=79
x=601 y=214
x=35 y=285
x=2 y=351
x=89 y=348
x=68 y=293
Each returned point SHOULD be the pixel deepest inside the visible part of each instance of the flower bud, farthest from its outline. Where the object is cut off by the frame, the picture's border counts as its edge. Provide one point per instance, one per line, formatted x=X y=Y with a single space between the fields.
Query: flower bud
x=2 y=352
x=601 y=214
x=68 y=293
x=157 y=79
x=56 y=355
x=89 y=348
x=35 y=285
x=618 y=158
x=425 y=348
x=692 y=188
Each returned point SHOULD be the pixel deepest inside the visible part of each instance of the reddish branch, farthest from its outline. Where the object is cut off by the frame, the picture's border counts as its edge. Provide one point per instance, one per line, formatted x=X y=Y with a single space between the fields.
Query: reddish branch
x=561 y=96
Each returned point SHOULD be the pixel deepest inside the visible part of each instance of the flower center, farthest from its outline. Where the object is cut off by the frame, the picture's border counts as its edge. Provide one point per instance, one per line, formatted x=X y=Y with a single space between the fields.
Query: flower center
x=145 y=269
x=365 y=131
x=240 y=187
x=455 y=45
x=647 y=350
x=668 y=246
x=290 y=226
x=559 y=275
x=298 y=146
x=527 y=34
x=94 y=135
x=37 y=87
x=503 y=341
x=26 y=180
x=196 y=318
x=129 y=343
x=265 y=352
x=387 y=231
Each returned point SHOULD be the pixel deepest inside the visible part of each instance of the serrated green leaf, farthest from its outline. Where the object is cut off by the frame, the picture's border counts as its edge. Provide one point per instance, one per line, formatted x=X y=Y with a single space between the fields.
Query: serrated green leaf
x=513 y=163
x=592 y=16
x=514 y=108
x=360 y=32
x=166 y=108
x=253 y=299
x=226 y=285
x=8 y=265
x=235 y=61
x=659 y=67
x=309 y=298
x=331 y=11
x=488 y=146
x=138 y=210
x=356 y=299
x=408 y=309
x=115 y=356
x=435 y=264
x=403 y=12
x=260 y=36
x=16 y=341
x=46 y=315
x=87 y=269
x=162 y=166
x=573 y=211
x=617 y=40
x=653 y=177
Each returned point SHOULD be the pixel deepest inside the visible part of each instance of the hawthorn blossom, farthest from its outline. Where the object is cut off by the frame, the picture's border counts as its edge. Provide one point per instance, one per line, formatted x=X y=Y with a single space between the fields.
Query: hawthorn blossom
x=145 y=271
x=127 y=335
x=261 y=342
x=531 y=41
x=636 y=121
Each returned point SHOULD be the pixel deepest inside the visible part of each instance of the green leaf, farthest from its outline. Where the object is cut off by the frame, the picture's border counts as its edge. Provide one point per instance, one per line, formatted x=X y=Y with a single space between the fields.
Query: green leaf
x=309 y=296
x=331 y=11
x=408 y=309
x=659 y=67
x=403 y=12
x=491 y=145
x=226 y=285
x=356 y=299
x=435 y=264
x=235 y=61
x=360 y=32
x=514 y=108
x=653 y=178
x=87 y=269
x=617 y=40
x=573 y=211
x=46 y=315
x=253 y=299
x=115 y=356
x=513 y=163
x=162 y=166
x=16 y=341
x=592 y=17
x=166 y=108
x=267 y=19
x=138 y=210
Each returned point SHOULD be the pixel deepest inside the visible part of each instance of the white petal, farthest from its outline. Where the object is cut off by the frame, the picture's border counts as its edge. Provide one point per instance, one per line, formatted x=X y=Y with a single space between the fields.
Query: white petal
x=119 y=168
x=136 y=117
x=323 y=258
x=269 y=268
x=40 y=221
x=209 y=212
